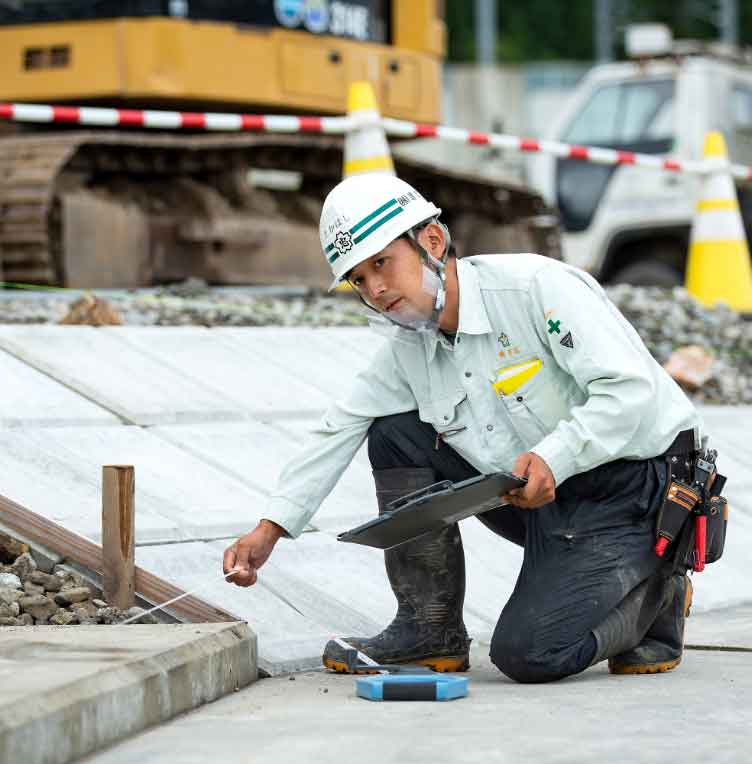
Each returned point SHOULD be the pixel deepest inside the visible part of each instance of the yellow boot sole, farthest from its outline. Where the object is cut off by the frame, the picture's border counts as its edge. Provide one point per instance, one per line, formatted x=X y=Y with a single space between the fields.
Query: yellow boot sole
x=654 y=668
x=444 y=664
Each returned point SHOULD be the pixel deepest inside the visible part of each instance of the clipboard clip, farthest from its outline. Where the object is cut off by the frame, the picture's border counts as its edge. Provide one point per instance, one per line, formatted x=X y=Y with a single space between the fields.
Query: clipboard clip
x=442 y=485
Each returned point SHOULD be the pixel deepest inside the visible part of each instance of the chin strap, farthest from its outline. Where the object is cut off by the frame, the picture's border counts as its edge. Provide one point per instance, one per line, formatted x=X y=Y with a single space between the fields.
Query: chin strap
x=438 y=265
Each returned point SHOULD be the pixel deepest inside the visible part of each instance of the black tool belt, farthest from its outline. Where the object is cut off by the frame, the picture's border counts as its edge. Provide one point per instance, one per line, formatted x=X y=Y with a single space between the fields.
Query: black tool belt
x=691 y=523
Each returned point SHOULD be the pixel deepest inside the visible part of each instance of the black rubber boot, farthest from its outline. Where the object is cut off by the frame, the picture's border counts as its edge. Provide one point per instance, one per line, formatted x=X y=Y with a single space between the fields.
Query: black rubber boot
x=661 y=649
x=625 y=627
x=427 y=577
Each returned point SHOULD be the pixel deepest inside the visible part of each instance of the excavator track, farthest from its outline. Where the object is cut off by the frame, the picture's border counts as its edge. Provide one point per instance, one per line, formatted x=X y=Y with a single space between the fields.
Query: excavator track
x=188 y=195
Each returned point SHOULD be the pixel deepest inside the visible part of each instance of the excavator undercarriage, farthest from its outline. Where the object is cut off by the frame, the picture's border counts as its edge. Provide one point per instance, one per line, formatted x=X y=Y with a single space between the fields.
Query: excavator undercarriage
x=127 y=208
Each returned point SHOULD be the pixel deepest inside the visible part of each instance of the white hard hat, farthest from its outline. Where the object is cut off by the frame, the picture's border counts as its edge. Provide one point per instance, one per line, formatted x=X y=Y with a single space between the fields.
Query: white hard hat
x=365 y=213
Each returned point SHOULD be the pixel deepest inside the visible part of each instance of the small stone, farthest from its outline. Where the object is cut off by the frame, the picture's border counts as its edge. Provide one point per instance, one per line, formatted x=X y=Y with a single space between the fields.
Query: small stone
x=110 y=615
x=24 y=566
x=63 y=618
x=49 y=582
x=6 y=612
x=70 y=578
x=32 y=589
x=98 y=603
x=69 y=596
x=10 y=549
x=25 y=619
x=39 y=606
x=83 y=615
x=11 y=580
x=135 y=611
x=8 y=595
x=87 y=607
x=9 y=621
x=92 y=311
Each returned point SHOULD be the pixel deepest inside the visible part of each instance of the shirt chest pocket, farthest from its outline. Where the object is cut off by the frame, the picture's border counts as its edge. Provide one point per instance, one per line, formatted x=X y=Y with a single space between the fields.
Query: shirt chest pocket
x=445 y=414
x=531 y=395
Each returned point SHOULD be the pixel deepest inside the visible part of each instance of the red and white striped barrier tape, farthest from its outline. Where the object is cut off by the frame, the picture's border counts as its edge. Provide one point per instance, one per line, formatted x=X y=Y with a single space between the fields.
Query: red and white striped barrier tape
x=175 y=120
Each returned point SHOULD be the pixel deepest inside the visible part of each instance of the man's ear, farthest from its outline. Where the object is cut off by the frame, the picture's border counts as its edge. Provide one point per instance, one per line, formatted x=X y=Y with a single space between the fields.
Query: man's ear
x=432 y=239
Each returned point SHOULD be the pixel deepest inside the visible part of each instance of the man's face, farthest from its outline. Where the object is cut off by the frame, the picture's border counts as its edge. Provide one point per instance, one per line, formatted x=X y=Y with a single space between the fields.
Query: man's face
x=392 y=282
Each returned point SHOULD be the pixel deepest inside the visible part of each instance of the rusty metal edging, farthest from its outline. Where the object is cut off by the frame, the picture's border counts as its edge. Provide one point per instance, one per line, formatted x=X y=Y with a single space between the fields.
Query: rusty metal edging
x=40 y=530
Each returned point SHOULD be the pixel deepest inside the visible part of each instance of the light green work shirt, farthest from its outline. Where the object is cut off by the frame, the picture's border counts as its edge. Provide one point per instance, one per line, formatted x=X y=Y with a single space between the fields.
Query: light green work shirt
x=542 y=361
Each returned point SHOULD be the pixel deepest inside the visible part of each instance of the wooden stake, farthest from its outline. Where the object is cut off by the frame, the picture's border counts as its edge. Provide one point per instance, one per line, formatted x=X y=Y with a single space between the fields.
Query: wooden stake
x=118 y=528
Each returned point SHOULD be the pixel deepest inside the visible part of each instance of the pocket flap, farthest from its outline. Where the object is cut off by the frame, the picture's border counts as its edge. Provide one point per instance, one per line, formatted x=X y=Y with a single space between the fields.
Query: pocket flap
x=441 y=412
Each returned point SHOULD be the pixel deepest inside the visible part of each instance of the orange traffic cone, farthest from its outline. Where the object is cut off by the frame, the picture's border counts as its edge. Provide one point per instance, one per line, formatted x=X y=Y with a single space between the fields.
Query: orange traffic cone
x=366 y=147
x=718 y=268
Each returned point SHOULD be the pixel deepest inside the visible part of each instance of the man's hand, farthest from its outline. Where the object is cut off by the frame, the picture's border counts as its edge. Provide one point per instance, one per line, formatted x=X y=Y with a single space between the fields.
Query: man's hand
x=541 y=486
x=251 y=551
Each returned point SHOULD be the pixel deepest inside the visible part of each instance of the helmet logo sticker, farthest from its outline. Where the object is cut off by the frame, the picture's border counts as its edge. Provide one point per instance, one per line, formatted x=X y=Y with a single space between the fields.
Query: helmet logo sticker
x=343 y=242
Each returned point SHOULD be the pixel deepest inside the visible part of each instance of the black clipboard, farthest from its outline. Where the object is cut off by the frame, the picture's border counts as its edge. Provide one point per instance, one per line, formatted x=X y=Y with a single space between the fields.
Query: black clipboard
x=433 y=508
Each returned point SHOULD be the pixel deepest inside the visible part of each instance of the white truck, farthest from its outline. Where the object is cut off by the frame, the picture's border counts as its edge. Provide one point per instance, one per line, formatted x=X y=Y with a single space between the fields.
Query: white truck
x=632 y=224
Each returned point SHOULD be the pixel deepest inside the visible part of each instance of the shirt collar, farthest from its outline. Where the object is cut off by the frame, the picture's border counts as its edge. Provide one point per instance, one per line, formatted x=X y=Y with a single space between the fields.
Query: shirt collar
x=473 y=318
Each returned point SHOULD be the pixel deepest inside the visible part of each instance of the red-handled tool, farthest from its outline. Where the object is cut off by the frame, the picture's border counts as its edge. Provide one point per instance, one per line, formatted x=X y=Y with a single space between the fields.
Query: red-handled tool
x=661 y=545
x=701 y=523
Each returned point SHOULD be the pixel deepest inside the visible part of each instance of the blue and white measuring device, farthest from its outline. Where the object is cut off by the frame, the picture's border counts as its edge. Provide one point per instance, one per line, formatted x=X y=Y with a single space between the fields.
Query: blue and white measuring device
x=401 y=682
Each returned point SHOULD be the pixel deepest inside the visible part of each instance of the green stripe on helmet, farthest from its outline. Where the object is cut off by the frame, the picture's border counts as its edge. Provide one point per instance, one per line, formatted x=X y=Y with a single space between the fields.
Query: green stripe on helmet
x=377 y=225
x=375 y=213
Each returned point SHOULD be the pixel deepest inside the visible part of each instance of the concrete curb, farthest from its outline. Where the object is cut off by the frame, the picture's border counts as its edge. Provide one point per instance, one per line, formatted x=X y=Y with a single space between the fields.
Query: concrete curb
x=87 y=686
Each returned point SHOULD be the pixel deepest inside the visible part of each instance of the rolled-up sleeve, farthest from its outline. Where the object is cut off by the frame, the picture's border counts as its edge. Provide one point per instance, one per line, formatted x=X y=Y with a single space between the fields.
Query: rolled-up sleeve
x=309 y=477
x=588 y=339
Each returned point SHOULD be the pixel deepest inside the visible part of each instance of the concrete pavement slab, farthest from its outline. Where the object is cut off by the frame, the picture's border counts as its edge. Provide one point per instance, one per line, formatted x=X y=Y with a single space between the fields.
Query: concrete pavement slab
x=726 y=627
x=56 y=472
x=700 y=712
x=100 y=365
x=239 y=371
x=254 y=453
x=323 y=358
x=70 y=690
x=32 y=399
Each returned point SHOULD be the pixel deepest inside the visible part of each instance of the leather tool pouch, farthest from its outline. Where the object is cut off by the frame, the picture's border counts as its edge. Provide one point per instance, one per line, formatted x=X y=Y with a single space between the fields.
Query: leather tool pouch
x=676 y=510
x=717 y=514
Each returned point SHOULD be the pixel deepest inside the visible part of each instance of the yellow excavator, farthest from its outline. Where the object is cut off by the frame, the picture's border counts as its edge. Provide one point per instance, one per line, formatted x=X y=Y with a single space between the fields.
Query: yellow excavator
x=125 y=207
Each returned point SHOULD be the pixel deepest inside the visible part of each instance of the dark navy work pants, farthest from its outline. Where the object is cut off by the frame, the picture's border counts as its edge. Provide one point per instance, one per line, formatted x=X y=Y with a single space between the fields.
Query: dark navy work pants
x=584 y=552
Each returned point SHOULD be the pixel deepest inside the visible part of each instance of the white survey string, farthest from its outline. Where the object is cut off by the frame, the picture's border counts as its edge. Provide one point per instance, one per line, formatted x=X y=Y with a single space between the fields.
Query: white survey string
x=175 y=599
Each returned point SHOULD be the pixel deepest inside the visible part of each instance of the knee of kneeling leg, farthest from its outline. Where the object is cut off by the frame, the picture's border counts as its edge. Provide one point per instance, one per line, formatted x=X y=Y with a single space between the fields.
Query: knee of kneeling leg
x=383 y=433
x=521 y=662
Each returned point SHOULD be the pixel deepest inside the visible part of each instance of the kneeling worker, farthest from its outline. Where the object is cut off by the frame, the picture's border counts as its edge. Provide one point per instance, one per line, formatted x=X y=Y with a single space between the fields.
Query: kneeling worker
x=499 y=363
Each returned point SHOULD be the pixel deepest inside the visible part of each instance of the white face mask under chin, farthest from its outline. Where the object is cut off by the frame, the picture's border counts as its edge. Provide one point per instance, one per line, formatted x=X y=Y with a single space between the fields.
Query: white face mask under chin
x=411 y=317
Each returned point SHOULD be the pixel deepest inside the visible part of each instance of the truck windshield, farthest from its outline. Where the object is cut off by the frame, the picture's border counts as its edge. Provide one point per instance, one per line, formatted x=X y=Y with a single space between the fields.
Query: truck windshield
x=637 y=116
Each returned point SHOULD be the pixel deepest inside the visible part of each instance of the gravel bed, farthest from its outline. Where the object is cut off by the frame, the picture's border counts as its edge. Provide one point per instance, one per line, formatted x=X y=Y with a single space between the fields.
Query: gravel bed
x=31 y=597
x=665 y=319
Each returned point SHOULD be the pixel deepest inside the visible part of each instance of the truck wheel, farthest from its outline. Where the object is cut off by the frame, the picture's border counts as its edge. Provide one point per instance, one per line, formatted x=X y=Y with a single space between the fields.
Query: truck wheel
x=647 y=273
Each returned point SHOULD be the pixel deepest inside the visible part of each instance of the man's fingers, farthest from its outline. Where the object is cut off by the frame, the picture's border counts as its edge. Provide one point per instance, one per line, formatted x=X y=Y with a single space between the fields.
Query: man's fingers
x=522 y=465
x=246 y=577
x=230 y=559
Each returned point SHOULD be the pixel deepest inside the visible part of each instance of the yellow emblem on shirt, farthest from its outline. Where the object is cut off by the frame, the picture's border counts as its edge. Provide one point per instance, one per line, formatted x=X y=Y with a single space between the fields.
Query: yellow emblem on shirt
x=511 y=378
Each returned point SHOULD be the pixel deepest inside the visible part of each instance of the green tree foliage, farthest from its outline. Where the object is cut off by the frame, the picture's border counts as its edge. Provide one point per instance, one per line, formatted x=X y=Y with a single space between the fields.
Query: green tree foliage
x=538 y=30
